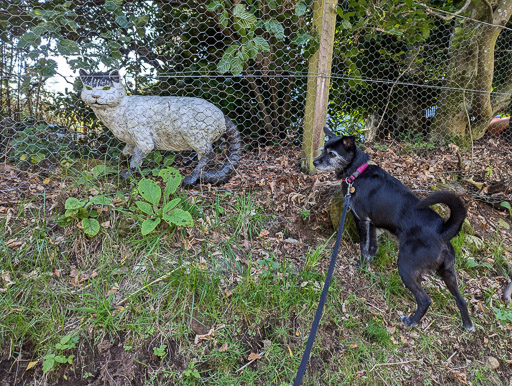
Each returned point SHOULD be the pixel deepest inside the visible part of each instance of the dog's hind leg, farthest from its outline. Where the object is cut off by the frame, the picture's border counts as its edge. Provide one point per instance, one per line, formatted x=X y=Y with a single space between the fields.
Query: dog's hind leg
x=447 y=273
x=412 y=281
x=367 y=239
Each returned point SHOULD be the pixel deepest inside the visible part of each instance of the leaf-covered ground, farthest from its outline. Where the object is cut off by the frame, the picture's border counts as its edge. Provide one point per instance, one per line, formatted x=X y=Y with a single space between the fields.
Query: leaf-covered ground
x=231 y=299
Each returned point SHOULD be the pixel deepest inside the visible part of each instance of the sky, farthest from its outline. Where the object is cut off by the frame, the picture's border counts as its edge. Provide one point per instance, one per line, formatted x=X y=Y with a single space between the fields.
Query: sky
x=57 y=82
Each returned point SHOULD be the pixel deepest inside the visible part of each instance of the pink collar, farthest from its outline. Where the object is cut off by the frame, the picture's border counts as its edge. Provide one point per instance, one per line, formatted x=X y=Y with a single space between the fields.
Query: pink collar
x=360 y=169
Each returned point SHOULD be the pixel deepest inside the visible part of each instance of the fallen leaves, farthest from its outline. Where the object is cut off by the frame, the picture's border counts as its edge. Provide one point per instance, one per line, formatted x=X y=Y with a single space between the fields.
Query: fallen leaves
x=78 y=278
x=253 y=356
x=6 y=281
x=210 y=335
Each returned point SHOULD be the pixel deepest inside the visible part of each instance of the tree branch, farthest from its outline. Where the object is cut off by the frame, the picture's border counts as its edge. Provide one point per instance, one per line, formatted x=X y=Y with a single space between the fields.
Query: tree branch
x=446 y=18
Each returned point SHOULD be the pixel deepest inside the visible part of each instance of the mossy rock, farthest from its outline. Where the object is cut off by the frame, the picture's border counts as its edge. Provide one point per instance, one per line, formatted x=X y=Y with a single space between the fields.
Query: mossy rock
x=335 y=212
x=444 y=212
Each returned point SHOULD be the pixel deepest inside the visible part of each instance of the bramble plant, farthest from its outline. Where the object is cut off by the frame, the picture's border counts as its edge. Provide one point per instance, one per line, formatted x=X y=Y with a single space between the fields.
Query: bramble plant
x=156 y=205
x=52 y=360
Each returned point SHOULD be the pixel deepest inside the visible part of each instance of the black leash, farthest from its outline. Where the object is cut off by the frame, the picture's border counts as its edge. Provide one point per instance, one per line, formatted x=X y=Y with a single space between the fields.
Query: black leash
x=323 y=297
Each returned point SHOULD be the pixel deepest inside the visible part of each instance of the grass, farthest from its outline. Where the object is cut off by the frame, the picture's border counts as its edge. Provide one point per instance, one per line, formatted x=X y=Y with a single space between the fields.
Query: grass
x=221 y=303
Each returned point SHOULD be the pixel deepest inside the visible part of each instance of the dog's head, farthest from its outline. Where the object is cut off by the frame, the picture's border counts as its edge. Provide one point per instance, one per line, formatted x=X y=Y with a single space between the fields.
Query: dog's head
x=337 y=154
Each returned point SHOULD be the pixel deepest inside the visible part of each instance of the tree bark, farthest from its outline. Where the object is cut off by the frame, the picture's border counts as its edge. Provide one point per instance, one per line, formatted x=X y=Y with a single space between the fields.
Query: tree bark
x=317 y=95
x=465 y=106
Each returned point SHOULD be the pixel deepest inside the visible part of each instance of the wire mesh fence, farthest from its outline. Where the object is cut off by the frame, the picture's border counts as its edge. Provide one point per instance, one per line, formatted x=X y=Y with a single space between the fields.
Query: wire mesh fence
x=401 y=72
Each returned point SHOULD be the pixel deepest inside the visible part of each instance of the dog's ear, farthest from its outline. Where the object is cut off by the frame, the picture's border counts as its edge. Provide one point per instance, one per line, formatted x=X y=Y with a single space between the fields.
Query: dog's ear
x=349 y=142
x=329 y=133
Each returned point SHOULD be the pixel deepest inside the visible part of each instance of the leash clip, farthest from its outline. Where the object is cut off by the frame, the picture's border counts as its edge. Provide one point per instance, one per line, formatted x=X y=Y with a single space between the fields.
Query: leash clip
x=350 y=189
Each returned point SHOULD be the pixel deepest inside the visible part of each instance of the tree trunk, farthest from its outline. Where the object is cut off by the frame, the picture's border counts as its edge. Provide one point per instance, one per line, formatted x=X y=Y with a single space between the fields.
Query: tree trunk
x=317 y=95
x=465 y=108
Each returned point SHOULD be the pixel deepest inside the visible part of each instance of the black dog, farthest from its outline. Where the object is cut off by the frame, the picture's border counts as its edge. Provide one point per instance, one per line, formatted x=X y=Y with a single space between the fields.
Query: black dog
x=381 y=201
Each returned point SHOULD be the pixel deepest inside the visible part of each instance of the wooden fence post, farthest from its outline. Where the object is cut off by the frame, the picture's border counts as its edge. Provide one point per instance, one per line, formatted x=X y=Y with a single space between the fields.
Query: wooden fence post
x=317 y=96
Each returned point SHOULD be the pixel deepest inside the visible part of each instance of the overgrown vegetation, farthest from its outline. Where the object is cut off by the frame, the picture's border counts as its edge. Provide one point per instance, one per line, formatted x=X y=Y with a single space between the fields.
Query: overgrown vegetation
x=229 y=300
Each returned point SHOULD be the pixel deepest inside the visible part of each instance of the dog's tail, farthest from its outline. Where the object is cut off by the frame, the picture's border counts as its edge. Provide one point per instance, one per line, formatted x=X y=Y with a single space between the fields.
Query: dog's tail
x=457 y=212
x=232 y=160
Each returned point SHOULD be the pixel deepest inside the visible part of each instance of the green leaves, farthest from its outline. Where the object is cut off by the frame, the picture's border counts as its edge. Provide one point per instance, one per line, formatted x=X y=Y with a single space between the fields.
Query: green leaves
x=300 y=9
x=179 y=217
x=153 y=206
x=77 y=209
x=244 y=19
x=50 y=361
x=172 y=178
x=100 y=200
x=67 y=47
x=91 y=226
x=145 y=208
x=245 y=23
x=236 y=55
x=275 y=28
x=150 y=191
x=149 y=225
x=29 y=39
x=73 y=203
x=212 y=7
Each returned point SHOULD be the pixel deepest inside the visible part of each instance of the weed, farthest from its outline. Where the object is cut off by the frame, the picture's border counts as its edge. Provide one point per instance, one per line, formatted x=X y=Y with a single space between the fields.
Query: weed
x=305 y=213
x=86 y=211
x=249 y=218
x=489 y=172
x=376 y=332
x=271 y=267
x=160 y=351
x=381 y=147
x=87 y=375
x=503 y=315
x=51 y=360
x=313 y=257
x=506 y=205
x=156 y=205
x=191 y=372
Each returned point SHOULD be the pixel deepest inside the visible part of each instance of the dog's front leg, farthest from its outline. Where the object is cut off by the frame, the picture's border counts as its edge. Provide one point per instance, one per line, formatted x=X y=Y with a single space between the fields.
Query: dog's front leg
x=367 y=239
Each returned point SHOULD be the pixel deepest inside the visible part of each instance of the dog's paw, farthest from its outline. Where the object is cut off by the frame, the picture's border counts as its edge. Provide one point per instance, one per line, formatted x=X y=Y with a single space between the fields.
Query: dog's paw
x=407 y=321
x=367 y=259
x=470 y=328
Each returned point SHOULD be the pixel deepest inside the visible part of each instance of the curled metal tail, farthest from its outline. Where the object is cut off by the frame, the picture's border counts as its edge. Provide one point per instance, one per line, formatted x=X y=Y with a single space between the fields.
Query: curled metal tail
x=234 y=141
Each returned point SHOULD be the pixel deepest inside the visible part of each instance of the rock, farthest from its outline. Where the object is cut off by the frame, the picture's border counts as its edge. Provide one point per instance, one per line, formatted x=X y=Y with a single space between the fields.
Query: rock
x=444 y=212
x=335 y=212
x=492 y=363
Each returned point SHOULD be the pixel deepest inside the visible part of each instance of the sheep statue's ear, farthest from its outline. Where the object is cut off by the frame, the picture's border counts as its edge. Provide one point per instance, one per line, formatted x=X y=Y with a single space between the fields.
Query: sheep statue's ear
x=115 y=76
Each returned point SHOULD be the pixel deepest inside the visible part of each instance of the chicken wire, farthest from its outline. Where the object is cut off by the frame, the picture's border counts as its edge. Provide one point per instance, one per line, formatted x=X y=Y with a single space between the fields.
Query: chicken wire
x=250 y=59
